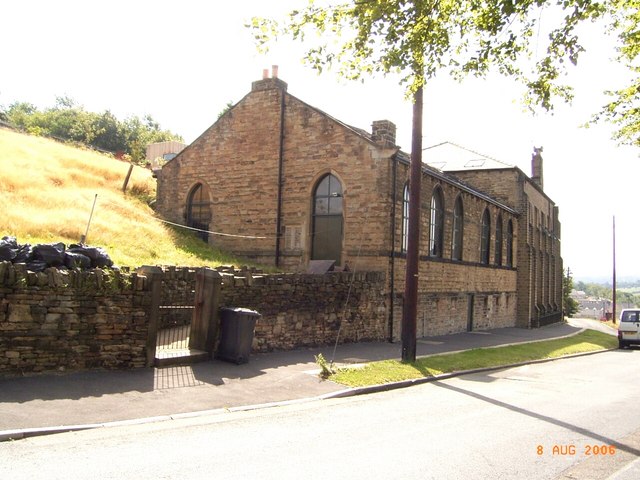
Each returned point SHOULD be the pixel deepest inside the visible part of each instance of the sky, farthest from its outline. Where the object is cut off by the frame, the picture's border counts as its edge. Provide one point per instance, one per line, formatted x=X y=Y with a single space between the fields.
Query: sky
x=183 y=61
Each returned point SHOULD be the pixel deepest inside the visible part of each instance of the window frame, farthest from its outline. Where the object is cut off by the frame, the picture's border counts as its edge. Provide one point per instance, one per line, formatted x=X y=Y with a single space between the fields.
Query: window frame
x=334 y=210
x=404 y=237
x=436 y=224
x=457 y=230
x=499 y=241
x=485 y=237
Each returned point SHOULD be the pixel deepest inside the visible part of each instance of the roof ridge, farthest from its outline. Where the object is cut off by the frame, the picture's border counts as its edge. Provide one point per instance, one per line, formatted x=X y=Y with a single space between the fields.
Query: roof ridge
x=468 y=150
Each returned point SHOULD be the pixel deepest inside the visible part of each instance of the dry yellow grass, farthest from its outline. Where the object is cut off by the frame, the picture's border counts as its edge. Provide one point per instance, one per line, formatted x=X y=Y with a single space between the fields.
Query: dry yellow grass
x=47 y=190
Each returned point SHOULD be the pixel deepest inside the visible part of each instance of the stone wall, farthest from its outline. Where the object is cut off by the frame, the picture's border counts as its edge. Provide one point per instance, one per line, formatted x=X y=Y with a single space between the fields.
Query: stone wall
x=308 y=310
x=59 y=320
x=73 y=320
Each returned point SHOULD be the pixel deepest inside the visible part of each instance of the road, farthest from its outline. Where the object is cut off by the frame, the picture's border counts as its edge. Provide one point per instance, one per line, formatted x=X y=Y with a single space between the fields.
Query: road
x=497 y=425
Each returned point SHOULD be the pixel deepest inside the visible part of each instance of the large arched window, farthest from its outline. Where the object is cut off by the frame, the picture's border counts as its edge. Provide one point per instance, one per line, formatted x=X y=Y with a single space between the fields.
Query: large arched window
x=199 y=210
x=485 y=237
x=436 y=228
x=510 y=243
x=405 y=219
x=458 y=230
x=326 y=232
x=498 y=251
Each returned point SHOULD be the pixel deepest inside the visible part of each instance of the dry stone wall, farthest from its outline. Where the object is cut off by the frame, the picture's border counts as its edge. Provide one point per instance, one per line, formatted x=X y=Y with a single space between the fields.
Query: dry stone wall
x=60 y=320
x=301 y=310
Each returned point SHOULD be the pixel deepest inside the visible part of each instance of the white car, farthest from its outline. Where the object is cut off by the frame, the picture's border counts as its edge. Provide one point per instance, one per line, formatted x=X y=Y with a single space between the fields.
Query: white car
x=629 y=328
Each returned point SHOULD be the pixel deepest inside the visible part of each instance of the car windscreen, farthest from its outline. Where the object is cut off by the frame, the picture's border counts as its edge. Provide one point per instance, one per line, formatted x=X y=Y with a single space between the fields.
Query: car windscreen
x=629 y=316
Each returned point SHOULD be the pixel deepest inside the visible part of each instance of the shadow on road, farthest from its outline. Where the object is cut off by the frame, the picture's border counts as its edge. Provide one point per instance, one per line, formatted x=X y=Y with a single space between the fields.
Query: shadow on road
x=544 y=418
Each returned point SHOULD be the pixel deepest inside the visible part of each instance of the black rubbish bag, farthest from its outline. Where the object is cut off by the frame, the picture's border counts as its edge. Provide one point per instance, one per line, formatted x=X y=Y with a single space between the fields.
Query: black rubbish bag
x=76 y=260
x=9 y=242
x=24 y=253
x=7 y=253
x=99 y=258
x=52 y=254
x=8 y=247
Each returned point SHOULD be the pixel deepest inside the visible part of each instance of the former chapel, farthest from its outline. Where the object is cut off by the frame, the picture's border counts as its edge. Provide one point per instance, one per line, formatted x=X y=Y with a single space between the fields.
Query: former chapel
x=281 y=182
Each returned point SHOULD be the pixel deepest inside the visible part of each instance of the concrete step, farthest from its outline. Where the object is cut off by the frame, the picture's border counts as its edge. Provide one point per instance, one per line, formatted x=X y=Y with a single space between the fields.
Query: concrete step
x=179 y=356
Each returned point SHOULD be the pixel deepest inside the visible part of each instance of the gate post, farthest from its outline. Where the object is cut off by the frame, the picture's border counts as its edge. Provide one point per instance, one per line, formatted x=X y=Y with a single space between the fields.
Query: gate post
x=154 y=276
x=204 y=324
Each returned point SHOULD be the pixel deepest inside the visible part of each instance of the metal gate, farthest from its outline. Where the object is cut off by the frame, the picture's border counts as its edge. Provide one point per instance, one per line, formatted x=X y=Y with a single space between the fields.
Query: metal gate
x=184 y=333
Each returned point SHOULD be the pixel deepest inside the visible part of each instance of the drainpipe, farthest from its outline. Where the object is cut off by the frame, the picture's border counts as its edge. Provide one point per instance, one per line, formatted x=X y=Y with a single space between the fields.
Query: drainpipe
x=392 y=259
x=280 y=180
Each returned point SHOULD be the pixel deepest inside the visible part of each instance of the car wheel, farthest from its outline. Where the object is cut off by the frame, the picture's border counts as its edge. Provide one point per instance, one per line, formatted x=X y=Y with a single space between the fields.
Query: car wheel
x=621 y=344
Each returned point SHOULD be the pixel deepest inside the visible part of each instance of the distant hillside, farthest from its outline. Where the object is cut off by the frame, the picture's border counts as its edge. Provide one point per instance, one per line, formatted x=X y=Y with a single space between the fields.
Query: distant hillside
x=47 y=189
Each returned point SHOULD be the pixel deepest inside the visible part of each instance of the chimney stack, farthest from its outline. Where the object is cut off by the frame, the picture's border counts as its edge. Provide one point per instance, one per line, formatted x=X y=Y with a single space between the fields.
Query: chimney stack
x=269 y=83
x=383 y=132
x=536 y=167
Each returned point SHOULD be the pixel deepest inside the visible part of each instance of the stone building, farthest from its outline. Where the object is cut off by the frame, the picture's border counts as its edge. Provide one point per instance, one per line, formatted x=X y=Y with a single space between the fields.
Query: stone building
x=539 y=278
x=282 y=182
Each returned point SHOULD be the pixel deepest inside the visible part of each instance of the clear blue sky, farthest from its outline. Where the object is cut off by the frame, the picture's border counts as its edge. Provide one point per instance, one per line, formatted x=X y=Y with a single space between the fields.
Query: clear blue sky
x=182 y=62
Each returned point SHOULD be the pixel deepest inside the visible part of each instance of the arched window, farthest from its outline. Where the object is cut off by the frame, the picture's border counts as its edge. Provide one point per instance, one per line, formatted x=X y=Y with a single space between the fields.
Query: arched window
x=458 y=230
x=498 y=252
x=436 y=228
x=485 y=237
x=405 y=219
x=199 y=210
x=510 y=243
x=326 y=232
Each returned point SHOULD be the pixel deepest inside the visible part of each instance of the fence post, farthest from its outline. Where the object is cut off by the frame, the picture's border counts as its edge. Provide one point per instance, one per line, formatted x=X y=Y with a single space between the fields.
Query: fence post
x=154 y=275
x=204 y=325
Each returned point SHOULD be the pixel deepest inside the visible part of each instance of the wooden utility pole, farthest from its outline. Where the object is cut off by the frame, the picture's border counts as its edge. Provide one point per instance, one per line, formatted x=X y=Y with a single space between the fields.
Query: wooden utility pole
x=613 y=296
x=410 y=308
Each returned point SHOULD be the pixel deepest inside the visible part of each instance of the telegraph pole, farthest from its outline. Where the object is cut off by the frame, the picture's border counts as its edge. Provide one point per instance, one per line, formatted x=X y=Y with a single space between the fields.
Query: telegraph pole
x=410 y=310
x=613 y=296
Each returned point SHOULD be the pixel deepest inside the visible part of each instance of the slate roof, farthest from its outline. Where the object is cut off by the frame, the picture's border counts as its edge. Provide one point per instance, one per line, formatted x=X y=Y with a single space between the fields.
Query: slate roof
x=449 y=156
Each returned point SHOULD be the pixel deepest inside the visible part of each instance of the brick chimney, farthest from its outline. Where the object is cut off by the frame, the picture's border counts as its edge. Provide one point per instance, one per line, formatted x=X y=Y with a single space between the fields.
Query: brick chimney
x=383 y=132
x=536 y=167
x=269 y=83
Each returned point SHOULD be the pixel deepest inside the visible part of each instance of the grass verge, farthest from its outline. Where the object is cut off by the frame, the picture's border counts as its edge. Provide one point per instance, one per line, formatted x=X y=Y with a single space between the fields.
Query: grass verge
x=387 y=371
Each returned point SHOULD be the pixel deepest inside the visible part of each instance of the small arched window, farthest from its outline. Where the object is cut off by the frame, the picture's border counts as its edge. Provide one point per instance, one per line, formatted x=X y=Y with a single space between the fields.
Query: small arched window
x=436 y=227
x=485 y=237
x=498 y=252
x=199 y=210
x=405 y=219
x=509 y=245
x=458 y=230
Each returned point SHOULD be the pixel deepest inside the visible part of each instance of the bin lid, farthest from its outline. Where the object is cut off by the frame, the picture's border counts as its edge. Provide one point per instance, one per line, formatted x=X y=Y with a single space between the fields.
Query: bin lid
x=245 y=311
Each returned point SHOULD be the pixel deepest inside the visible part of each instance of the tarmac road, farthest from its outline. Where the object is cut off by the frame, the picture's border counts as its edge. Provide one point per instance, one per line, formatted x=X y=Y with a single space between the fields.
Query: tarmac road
x=504 y=424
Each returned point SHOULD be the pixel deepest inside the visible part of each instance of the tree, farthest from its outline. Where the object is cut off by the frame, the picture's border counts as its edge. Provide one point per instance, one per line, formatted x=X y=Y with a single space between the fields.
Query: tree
x=570 y=306
x=416 y=39
x=624 y=109
x=68 y=120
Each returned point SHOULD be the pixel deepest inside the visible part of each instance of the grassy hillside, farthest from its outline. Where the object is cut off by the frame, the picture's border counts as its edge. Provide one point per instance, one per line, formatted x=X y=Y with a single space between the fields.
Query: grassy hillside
x=47 y=190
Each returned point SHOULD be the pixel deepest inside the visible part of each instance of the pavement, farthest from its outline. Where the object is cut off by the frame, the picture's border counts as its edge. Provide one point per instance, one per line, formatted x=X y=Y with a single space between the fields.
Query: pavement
x=52 y=403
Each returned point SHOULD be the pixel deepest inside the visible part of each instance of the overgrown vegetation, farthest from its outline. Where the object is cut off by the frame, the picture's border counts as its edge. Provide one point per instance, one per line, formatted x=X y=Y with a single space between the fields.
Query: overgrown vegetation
x=67 y=120
x=47 y=191
x=388 y=371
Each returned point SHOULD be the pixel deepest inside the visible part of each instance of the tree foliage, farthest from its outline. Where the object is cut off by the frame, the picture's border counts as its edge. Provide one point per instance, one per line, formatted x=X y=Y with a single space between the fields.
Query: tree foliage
x=570 y=306
x=416 y=39
x=605 y=291
x=69 y=121
x=623 y=111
